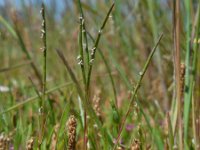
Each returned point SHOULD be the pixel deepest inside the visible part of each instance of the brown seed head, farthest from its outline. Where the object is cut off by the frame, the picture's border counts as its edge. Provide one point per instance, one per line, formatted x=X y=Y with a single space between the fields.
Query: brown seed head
x=4 y=142
x=71 y=126
x=29 y=144
x=54 y=137
x=135 y=145
x=96 y=104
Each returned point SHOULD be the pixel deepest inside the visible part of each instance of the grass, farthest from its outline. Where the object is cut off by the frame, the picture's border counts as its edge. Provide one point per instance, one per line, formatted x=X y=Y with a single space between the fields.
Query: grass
x=126 y=89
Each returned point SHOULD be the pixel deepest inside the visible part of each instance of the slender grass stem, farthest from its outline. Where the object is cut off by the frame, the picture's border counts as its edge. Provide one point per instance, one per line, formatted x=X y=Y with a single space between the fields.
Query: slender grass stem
x=42 y=109
x=95 y=47
x=82 y=64
x=81 y=56
x=84 y=33
x=190 y=78
x=177 y=72
x=31 y=99
x=44 y=49
x=86 y=103
x=107 y=68
x=194 y=123
x=142 y=73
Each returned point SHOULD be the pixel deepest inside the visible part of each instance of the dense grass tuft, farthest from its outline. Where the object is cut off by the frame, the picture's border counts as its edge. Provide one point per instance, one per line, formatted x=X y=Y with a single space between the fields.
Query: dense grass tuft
x=103 y=75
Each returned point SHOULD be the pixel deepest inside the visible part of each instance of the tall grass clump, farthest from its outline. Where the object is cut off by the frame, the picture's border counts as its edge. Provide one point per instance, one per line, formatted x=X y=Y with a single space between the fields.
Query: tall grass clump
x=103 y=75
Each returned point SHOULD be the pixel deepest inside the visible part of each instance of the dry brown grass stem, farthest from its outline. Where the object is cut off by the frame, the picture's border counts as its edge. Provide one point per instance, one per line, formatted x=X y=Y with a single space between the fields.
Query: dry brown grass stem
x=177 y=70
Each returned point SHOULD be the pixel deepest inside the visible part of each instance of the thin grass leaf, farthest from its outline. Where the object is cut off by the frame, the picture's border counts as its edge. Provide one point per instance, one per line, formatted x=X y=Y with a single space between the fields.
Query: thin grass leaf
x=108 y=70
x=8 y=26
x=190 y=78
x=83 y=31
x=142 y=73
x=96 y=46
x=2 y=70
x=31 y=99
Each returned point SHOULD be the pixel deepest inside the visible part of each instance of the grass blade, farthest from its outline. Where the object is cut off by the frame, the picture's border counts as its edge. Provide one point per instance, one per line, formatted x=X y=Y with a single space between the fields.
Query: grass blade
x=142 y=73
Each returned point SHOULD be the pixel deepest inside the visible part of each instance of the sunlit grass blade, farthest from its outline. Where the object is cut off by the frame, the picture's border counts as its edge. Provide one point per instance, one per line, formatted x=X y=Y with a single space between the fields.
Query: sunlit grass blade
x=190 y=78
x=83 y=31
x=154 y=132
x=96 y=46
x=8 y=26
x=108 y=70
x=31 y=99
x=135 y=89
x=72 y=75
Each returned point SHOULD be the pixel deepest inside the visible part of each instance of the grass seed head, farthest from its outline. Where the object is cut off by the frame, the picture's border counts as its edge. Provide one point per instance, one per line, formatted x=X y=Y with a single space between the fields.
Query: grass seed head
x=29 y=144
x=135 y=145
x=96 y=104
x=4 y=142
x=54 y=137
x=71 y=127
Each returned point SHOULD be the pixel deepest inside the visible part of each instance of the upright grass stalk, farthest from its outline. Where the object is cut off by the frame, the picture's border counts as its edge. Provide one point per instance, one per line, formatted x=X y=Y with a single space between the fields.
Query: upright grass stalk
x=82 y=64
x=196 y=29
x=188 y=90
x=108 y=70
x=134 y=93
x=86 y=103
x=90 y=63
x=178 y=70
x=42 y=109
x=93 y=51
x=81 y=56
x=84 y=32
x=44 y=50
x=170 y=132
x=196 y=142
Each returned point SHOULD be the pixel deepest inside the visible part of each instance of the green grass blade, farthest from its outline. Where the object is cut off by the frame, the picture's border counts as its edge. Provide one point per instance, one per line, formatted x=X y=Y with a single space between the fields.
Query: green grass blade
x=8 y=26
x=31 y=99
x=188 y=92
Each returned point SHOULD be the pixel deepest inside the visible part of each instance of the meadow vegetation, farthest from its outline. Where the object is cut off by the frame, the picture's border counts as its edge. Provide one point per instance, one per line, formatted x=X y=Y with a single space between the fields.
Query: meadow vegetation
x=103 y=75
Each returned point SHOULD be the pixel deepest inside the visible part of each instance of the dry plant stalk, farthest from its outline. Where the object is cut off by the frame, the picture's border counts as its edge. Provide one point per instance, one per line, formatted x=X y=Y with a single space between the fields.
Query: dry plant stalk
x=71 y=127
x=29 y=144
x=178 y=69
